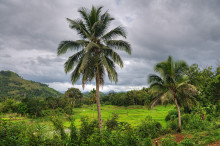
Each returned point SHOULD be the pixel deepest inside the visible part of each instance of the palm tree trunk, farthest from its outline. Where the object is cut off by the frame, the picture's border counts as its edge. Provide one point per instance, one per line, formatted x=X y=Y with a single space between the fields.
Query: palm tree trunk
x=98 y=103
x=179 y=116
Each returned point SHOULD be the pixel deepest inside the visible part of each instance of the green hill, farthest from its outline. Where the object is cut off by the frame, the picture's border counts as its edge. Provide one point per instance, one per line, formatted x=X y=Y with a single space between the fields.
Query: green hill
x=12 y=85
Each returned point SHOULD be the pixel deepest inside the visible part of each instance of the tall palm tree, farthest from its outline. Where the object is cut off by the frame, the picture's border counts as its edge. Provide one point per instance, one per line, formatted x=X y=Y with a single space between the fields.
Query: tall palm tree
x=172 y=85
x=96 y=49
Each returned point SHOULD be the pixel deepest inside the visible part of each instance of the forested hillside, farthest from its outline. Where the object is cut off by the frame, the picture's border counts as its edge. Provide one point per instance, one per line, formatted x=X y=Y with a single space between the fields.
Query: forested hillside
x=12 y=85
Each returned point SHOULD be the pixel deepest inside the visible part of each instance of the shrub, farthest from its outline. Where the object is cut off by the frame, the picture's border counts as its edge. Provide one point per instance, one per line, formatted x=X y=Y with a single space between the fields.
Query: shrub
x=9 y=106
x=209 y=118
x=173 y=124
x=96 y=139
x=87 y=128
x=168 y=141
x=53 y=112
x=185 y=119
x=197 y=123
x=22 y=108
x=59 y=128
x=20 y=134
x=172 y=114
x=68 y=109
x=112 y=123
x=186 y=142
x=73 y=133
x=147 y=142
x=148 y=128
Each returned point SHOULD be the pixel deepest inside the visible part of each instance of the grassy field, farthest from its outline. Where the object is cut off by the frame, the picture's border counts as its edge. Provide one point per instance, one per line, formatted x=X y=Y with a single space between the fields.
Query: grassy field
x=132 y=114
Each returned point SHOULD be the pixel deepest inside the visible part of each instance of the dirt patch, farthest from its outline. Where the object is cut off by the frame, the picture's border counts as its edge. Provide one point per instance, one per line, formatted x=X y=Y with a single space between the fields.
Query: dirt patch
x=216 y=143
x=179 y=137
x=176 y=137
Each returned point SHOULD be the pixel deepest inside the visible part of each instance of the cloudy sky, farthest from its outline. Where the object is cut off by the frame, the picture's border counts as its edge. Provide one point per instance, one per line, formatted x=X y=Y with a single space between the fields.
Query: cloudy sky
x=30 y=31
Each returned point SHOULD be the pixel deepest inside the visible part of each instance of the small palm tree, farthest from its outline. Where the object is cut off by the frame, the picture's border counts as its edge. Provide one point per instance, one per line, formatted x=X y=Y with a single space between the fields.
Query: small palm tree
x=172 y=85
x=96 y=50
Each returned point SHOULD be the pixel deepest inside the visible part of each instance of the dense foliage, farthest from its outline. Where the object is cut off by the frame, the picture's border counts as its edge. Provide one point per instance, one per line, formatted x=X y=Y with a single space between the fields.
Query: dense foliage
x=133 y=97
x=113 y=133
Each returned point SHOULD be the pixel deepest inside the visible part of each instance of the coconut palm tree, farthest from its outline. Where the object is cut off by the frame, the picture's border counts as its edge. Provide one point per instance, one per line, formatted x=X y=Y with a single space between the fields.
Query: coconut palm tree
x=96 y=51
x=172 y=85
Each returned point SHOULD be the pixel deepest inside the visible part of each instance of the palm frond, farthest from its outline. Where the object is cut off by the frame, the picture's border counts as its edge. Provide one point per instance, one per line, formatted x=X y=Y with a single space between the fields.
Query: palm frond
x=118 y=31
x=180 y=68
x=106 y=19
x=69 y=64
x=80 y=27
x=110 y=67
x=70 y=45
x=152 y=78
x=115 y=56
x=94 y=15
x=75 y=76
x=119 y=45
x=85 y=15
x=98 y=28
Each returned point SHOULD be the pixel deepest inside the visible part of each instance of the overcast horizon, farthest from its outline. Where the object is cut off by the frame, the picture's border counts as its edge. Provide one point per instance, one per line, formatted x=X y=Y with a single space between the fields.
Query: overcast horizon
x=31 y=31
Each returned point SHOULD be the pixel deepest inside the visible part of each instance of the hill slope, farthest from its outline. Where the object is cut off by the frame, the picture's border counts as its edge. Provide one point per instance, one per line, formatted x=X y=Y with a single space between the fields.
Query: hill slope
x=12 y=85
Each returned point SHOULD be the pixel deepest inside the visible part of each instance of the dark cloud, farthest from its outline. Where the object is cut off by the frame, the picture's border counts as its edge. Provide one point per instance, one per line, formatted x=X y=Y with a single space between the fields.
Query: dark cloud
x=31 y=31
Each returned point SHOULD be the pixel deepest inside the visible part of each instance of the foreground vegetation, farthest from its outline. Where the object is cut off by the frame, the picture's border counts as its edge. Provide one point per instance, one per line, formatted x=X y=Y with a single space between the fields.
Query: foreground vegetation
x=133 y=125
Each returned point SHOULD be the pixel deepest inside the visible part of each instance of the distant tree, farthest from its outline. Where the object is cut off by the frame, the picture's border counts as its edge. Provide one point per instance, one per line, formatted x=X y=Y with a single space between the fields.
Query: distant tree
x=96 y=49
x=75 y=95
x=51 y=102
x=34 y=106
x=172 y=84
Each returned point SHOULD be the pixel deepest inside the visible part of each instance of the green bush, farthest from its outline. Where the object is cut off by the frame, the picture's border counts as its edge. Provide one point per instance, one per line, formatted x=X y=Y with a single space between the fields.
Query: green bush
x=148 y=128
x=74 y=140
x=173 y=124
x=186 y=142
x=112 y=124
x=147 y=142
x=59 y=128
x=197 y=123
x=20 y=134
x=168 y=141
x=172 y=114
x=68 y=109
x=9 y=106
x=185 y=119
x=53 y=112
x=86 y=129
x=22 y=108
x=208 y=118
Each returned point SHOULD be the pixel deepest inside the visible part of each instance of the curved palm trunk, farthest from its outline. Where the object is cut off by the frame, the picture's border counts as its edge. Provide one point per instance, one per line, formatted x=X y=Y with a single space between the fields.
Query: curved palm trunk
x=98 y=103
x=179 y=116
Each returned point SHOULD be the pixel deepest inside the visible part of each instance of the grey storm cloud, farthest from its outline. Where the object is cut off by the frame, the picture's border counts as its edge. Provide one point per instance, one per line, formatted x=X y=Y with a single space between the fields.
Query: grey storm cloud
x=30 y=32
